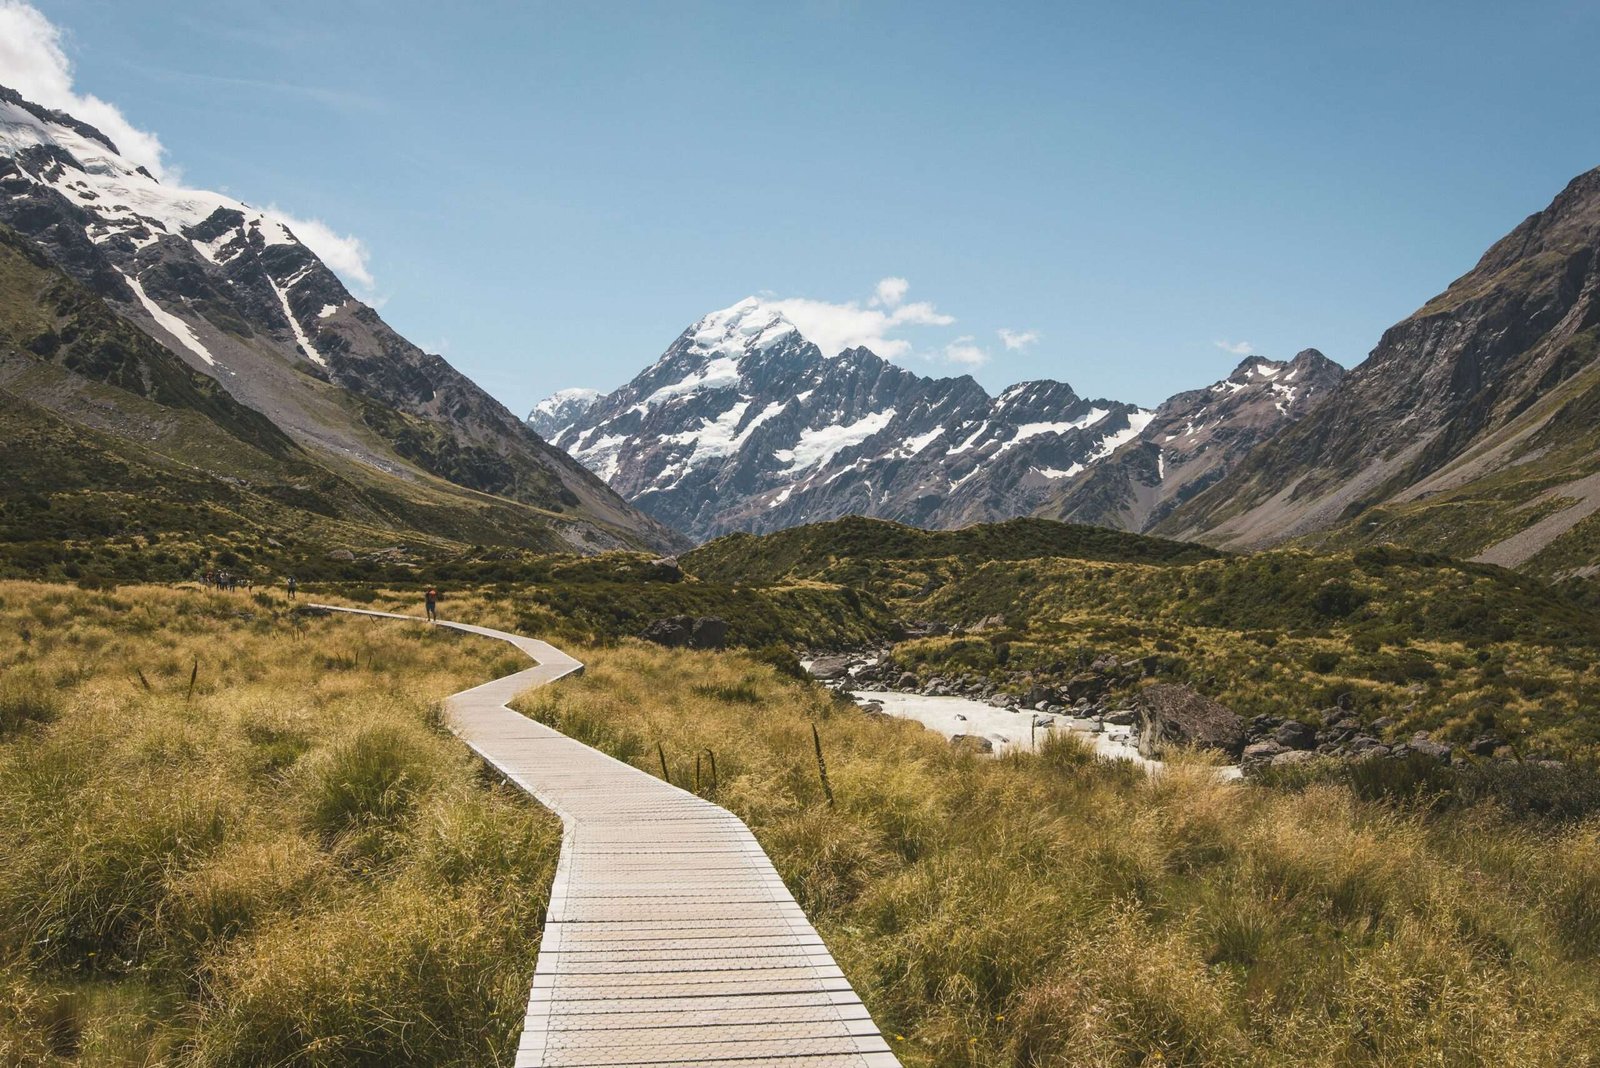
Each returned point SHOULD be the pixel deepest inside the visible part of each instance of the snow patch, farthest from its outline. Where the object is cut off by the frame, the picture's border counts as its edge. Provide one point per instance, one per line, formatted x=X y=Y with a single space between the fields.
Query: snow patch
x=817 y=447
x=299 y=332
x=173 y=325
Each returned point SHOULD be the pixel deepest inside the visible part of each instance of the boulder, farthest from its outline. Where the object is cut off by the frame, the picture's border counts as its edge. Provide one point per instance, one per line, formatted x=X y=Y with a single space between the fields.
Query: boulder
x=687 y=632
x=1087 y=687
x=1172 y=714
x=709 y=632
x=1291 y=757
x=1258 y=755
x=1292 y=734
x=828 y=668
x=342 y=555
x=972 y=743
x=1104 y=664
x=1425 y=745
x=906 y=681
x=1037 y=695
x=1122 y=717
x=673 y=632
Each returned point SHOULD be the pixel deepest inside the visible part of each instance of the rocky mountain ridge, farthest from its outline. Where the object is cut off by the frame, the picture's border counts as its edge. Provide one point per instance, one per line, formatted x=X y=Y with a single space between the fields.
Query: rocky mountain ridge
x=744 y=424
x=1472 y=427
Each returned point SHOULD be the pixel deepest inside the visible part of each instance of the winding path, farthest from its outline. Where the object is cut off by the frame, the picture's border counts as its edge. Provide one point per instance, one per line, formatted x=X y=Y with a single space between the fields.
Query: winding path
x=670 y=939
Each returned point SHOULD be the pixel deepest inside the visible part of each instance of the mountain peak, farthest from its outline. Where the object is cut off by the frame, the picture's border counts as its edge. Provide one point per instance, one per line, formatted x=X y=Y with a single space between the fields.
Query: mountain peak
x=748 y=326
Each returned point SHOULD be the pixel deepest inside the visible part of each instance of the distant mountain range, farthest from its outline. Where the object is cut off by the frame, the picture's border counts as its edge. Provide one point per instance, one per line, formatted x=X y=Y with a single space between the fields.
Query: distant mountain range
x=256 y=336
x=744 y=424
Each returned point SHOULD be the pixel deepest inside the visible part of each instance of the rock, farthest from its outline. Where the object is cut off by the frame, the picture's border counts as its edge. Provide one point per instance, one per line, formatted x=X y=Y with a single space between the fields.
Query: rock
x=1122 y=717
x=972 y=743
x=1292 y=734
x=1425 y=745
x=871 y=706
x=1361 y=743
x=994 y=622
x=962 y=718
x=666 y=569
x=1042 y=720
x=828 y=668
x=1172 y=714
x=1485 y=745
x=687 y=632
x=906 y=681
x=1381 y=724
x=709 y=632
x=1291 y=757
x=342 y=555
x=1087 y=687
x=1260 y=754
x=1104 y=664
x=1038 y=695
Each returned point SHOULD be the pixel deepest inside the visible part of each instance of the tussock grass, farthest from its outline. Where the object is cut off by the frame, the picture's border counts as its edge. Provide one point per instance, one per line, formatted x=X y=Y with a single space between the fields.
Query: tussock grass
x=1045 y=910
x=292 y=866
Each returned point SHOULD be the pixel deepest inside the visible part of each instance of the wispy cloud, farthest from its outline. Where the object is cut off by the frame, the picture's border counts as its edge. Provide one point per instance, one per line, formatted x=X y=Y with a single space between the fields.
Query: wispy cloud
x=1015 y=340
x=345 y=254
x=834 y=327
x=1238 y=348
x=889 y=292
x=966 y=352
x=33 y=63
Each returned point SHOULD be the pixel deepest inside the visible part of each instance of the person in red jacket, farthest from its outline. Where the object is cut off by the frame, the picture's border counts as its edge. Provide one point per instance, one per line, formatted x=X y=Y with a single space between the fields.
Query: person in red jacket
x=431 y=599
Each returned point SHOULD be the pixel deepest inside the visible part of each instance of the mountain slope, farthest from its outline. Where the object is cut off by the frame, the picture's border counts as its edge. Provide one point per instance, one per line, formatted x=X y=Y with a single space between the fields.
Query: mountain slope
x=1195 y=438
x=1473 y=427
x=237 y=296
x=111 y=438
x=744 y=424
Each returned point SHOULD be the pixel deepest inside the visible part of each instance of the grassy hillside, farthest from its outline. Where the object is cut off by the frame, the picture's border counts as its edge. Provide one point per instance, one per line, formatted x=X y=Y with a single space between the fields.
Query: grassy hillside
x=1051 y=911
x=1422 y=640
x=842 y=550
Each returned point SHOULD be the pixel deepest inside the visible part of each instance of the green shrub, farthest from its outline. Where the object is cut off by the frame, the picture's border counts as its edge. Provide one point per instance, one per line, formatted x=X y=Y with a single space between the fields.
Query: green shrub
x=372 y=776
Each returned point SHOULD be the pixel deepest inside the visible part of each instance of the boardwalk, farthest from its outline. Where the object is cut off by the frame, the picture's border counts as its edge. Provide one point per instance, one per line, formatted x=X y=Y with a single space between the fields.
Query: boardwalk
x=670 y=938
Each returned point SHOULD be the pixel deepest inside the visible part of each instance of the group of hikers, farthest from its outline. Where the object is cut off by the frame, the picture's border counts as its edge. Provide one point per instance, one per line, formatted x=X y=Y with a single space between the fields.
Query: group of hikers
x=227 y=580
x=224 y=580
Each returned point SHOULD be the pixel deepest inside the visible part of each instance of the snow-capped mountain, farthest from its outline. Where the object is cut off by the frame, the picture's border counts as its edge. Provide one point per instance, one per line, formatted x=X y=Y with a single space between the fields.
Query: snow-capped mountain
x=744 y=424
x=232 y=291
x=560 y=410
x=1194 y=440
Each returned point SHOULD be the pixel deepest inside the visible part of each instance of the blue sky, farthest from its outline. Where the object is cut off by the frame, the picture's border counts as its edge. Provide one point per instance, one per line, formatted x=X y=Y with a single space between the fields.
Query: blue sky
x=548 y=193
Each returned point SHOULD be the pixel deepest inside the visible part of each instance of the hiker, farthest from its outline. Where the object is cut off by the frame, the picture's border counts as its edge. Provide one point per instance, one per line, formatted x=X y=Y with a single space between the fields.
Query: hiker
x=292 y=587
x=431 y=599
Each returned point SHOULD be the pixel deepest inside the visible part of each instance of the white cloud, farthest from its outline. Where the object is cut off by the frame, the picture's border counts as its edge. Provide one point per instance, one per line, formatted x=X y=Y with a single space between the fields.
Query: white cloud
x=343 y=253
x=1238 y=348
x=1017 y=339
x=890 y=292
x=836 y=327
x=33 y=63
x=965 y=351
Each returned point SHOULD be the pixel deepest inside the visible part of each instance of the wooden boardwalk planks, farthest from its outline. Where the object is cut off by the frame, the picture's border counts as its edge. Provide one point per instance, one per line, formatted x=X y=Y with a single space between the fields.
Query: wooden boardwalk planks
x=670 y=939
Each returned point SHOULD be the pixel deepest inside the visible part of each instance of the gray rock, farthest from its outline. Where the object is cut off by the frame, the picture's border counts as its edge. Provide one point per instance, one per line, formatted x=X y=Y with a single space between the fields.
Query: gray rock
x=1292 y=757
x=1171 y=714
x=972 y=743
x=1122 y=717
x=709 y=632
x=1292 y=734
x=829 y=668
x=1428 y=747
x=1260 y=754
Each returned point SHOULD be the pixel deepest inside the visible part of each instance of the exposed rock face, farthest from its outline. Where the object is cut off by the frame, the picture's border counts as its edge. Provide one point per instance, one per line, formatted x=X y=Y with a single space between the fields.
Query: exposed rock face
x=235 y=294
x=744 y=424
x=1195 y=439
x=1171 y=714
x=1471 y=428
